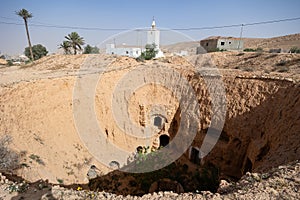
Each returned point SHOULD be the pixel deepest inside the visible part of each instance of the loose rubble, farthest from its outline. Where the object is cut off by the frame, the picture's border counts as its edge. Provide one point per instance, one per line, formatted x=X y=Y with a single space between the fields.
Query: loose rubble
x=282 y=182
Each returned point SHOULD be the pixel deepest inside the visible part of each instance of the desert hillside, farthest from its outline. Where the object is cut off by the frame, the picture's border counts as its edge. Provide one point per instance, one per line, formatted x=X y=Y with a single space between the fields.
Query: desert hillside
x=285 y=43
x=282 y=42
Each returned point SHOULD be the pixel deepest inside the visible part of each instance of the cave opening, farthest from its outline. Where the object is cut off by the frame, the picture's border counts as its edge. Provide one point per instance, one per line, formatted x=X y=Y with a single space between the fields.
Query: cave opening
x=164 y=140
x=195 y=155
x=248 y=165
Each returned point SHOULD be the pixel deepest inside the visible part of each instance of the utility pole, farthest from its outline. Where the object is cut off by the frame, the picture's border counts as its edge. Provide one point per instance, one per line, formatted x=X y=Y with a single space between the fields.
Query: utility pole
x=241 y=35
x=115 y=43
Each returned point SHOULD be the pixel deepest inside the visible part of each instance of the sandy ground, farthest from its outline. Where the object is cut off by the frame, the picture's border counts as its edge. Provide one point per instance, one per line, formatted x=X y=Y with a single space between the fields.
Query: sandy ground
x=36 y=106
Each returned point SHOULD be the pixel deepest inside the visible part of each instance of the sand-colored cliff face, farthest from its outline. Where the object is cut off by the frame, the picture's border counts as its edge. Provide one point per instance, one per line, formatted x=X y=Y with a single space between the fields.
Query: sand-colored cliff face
x=261 y=127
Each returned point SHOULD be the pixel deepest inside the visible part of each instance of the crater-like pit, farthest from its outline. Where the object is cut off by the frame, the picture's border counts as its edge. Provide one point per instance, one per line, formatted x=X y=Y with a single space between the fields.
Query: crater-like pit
x=261 y=130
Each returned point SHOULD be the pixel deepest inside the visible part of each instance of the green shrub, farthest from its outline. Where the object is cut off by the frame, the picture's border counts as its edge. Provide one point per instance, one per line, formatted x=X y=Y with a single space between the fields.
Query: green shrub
x=249 y=50
x=37 y=159
x=149 y=53
x=295 y=50
x=218 y=50
x=259 y=49
x=9 y=63
x=60 y=181
x=91 y=50
x=38 y=51
x=27 y=62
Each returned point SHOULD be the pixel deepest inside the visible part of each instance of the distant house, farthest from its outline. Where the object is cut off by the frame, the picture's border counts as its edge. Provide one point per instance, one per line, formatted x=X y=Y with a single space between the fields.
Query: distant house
x=16 y=59
x=221 y=43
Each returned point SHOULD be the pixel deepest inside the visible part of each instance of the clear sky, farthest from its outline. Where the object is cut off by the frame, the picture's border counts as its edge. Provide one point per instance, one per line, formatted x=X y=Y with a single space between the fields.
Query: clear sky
x=138 y=13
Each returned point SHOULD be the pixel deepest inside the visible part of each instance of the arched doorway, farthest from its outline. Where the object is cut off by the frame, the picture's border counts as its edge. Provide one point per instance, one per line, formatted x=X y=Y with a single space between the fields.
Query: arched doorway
x=164 y=140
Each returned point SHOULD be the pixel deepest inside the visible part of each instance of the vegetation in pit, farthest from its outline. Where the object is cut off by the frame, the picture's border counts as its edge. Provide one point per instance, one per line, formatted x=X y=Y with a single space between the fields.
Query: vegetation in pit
x=37 y=159
x=203 y=178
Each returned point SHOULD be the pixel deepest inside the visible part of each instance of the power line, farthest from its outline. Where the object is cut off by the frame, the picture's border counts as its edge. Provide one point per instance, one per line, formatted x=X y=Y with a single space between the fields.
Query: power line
x=45 y=25
x=9 y=18
x=66 y=27
x=238 y=25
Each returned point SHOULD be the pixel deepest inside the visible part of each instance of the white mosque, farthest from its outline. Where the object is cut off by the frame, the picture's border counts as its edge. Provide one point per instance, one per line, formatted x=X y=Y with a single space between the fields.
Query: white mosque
x=153 y=37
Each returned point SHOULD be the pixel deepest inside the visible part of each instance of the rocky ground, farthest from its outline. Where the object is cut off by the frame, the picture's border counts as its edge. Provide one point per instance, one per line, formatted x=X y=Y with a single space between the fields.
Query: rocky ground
x=279 y=183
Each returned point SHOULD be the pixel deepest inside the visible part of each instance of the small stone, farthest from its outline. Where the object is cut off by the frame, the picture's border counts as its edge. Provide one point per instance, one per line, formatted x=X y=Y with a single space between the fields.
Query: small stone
x=224 y=183
x=273 y=191
x=256 y=176
x=297 y=180
x=281 y=167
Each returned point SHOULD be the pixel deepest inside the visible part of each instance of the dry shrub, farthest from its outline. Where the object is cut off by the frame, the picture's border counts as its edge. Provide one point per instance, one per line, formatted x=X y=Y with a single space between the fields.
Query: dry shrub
x=8 y=159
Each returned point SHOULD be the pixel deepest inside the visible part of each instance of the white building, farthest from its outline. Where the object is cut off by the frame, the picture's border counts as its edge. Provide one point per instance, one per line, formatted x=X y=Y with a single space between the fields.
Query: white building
x=123 y=51
x=153 y=37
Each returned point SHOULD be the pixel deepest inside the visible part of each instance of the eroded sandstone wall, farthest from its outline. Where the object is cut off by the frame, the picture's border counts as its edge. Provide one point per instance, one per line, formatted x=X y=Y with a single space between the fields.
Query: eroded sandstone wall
x=261 y=127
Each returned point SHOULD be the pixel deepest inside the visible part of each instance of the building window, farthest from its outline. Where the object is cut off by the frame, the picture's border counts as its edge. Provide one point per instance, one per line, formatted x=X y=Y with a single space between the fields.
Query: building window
x=206 y=43
x=229 y=42
x=158 y=121
x=222 y=43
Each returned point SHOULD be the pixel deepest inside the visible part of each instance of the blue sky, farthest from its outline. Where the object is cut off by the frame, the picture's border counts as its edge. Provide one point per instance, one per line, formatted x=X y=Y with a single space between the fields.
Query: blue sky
x=138 y=13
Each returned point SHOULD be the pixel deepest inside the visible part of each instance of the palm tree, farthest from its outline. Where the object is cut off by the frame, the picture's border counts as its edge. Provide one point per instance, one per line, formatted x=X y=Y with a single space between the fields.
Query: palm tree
x=75 y=41
x=26 y=15
x=66 y=47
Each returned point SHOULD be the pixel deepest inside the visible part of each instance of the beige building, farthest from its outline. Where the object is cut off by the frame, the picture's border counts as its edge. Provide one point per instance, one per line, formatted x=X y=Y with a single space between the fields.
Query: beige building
x=212 y=44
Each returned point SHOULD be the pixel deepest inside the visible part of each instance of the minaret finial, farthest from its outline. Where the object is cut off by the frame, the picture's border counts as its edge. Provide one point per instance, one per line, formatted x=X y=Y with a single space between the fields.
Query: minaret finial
x=153 y=23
